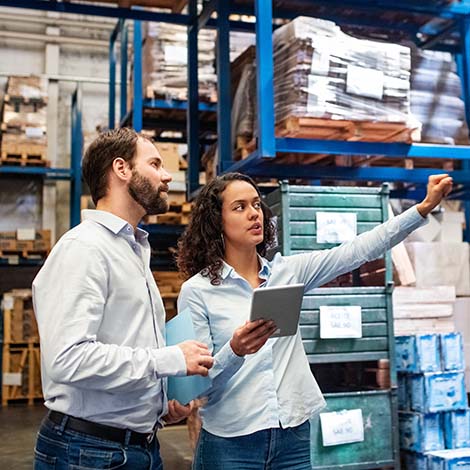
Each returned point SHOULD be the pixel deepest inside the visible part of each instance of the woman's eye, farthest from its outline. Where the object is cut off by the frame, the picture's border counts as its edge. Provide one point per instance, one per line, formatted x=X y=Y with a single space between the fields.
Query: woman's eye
x=239 y=208
x=257 y=205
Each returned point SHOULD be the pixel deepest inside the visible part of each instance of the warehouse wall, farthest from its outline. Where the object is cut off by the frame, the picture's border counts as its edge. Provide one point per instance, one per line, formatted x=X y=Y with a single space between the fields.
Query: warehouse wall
x=67 y=49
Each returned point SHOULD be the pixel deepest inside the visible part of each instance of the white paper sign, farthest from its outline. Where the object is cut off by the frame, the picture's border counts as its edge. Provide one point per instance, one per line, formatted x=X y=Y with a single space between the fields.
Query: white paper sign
x=336 y=227
x=365 y=82
x=342 y=427
x=340 y=322
x=33 y=132
x=8 y=302
x=12 y=378
x=26 y=234
x=176 y=55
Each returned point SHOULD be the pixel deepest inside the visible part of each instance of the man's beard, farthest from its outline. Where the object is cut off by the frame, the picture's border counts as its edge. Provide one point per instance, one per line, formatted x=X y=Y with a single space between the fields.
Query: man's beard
x=145 y=194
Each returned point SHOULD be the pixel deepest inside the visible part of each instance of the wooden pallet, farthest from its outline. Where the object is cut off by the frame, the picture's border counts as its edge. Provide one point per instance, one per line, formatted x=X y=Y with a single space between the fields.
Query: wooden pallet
x=169 y=285
x=21 y=368
x=10 y=245
x=174 y=5
x=178 y=214
x=23 y=154
x=330 y=129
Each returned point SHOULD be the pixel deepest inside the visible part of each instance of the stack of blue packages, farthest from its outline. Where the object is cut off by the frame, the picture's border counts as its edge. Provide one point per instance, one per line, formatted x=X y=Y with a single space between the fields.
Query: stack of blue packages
x=434 y=415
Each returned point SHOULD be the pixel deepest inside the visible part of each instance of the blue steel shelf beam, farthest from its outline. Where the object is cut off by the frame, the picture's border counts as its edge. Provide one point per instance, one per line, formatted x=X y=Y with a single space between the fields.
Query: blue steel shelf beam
x=47 y=173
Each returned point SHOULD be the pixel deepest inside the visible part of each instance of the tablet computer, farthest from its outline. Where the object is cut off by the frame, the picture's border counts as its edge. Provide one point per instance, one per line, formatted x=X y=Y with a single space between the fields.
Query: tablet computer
x=281 y=304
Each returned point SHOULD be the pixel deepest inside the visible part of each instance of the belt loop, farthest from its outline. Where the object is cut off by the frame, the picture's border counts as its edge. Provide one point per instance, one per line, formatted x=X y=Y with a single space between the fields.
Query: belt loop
x=63 y=423
x=127 y=437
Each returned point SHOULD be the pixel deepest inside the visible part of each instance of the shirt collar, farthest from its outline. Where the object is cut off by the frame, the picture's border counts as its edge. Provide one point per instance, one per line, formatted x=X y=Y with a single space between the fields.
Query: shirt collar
x=264 y=272
x=113 y=222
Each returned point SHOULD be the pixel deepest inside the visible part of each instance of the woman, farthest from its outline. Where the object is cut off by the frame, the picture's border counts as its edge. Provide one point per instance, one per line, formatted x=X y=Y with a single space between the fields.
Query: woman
x=263 y=392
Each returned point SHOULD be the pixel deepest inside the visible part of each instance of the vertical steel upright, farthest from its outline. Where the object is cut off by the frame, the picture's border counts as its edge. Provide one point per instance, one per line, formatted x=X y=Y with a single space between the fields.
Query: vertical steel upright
x=123 y=88
x=76 y=156
x=264 y=78
x=137 y=114
x=224 y=104
x=192 y=119
x=463 y=61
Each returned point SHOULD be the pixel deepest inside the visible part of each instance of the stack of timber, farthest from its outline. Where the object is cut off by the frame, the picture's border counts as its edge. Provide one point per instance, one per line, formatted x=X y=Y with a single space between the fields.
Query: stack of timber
x=21 y=367
x=25 y=243
x=169 y=285
x=24 y=122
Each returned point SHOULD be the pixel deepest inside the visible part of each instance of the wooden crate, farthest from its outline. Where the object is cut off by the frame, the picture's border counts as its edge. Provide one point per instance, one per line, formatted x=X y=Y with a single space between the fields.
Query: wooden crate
x=21 y=374
x=174 y=5
x=19 y=322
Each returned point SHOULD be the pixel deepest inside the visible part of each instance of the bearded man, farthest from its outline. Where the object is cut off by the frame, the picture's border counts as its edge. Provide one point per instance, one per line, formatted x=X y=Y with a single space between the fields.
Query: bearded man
x=101 y=321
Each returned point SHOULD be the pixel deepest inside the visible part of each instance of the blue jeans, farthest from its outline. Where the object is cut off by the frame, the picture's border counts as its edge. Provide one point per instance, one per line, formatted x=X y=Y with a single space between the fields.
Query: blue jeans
x=269 y=449
x=59 y=449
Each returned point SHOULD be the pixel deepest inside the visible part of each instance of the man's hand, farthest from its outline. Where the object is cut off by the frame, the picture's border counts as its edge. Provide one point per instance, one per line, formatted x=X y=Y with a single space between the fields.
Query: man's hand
x=250 y=337
x=177 y=411
x=439 y=186
x=197 y=356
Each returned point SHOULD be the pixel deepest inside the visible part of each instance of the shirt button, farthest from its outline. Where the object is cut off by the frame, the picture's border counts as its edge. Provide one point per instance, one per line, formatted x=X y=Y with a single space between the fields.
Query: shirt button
x=129 y=229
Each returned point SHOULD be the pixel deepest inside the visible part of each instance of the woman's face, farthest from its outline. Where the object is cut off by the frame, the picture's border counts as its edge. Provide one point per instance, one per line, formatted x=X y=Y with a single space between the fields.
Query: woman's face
x=242 y=216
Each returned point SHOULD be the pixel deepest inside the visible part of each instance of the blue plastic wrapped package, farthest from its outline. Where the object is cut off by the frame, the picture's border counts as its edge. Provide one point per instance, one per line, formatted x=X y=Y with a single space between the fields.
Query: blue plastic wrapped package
x=457 y=429
x=437 y=391
x=417 y=353
x=420 y=432
x=403 y=393
x=450 y=459
x=452 y=355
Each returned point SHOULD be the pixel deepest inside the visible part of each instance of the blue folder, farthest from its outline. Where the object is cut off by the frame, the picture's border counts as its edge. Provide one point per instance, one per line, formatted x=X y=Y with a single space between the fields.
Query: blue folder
x=186 y=388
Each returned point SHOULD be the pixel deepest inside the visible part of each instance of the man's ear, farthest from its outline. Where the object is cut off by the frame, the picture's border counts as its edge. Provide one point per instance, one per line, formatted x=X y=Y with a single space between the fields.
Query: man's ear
x=121 y=168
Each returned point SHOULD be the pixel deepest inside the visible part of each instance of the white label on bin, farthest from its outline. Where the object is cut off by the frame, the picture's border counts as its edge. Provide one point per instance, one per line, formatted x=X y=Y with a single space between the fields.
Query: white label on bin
x=13 y=259
x=342 y=427
x=340 y=322
x=12 y=378
x=26 y=234
x=336 y=227
x=365 y=82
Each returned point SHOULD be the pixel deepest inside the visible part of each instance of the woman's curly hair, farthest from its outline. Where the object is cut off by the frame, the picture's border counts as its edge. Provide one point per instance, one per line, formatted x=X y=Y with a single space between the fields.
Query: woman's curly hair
x=201 y=247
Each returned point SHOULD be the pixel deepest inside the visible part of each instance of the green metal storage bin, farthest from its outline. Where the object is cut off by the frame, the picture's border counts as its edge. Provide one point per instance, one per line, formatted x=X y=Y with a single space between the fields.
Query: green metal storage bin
x=378 y=449
x=295 y=209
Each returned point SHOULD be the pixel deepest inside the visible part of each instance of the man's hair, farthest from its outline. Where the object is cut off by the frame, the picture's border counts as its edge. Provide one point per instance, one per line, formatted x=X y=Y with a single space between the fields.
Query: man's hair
x=101 y=153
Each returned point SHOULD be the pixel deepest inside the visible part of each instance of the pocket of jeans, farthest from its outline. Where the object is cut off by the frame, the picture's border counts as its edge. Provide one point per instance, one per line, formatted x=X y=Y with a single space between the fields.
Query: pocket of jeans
x=302 y=432
x=43 y=461
x=101 y=459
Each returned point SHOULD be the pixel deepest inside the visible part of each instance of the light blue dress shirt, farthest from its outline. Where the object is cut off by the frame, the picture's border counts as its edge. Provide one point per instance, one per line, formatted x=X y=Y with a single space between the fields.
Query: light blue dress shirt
x=275 y=386
x=101 y=322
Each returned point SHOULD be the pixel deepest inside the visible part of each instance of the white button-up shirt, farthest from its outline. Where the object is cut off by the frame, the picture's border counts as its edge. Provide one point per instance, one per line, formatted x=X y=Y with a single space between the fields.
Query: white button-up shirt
x=101 y=322
x=275 y=386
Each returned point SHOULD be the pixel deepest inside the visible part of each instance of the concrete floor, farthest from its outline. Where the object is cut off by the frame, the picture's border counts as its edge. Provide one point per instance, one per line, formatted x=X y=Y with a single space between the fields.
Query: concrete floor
x=19 y=425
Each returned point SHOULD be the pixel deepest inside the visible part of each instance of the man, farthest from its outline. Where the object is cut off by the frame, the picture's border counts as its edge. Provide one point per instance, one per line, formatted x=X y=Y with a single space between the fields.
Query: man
x=101 y=321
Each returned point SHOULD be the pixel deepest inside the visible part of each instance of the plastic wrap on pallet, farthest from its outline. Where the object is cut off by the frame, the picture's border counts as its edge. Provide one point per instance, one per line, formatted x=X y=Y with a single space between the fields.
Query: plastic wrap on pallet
x=321 y=72
x=164 y=61
x=417 y=353
x=420 y=432
x=436 y=97
x=457 y=429
x=452 y=357
x=438 y=391
x=451 y=459
x=239 y=42
x=403 y=395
